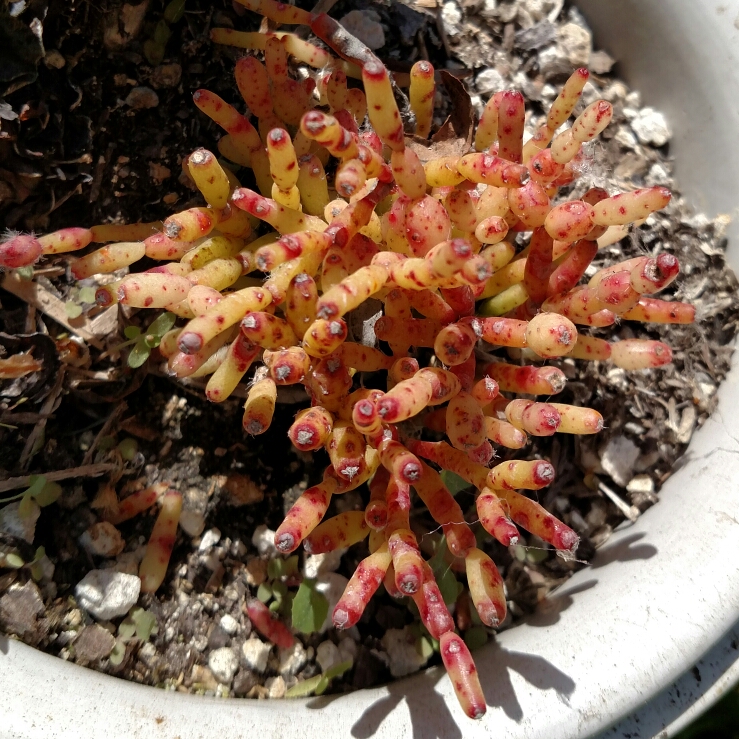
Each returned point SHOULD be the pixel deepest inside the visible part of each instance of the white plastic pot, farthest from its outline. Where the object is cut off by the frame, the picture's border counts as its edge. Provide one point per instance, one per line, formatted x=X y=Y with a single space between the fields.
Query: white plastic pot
x=660 y=596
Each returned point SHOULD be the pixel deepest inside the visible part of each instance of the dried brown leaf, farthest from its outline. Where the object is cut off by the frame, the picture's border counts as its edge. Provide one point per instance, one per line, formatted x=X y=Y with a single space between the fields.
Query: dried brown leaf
x=454 y=137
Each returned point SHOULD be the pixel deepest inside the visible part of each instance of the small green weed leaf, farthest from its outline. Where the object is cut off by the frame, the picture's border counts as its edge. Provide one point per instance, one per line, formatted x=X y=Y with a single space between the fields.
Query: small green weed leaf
x=424 y=648
x=453 y=481
x=282 y=568
x=132 y=332
x=475 y=637
x=305 y=688
x=13 y=560
x=339 y=670
x=310 y=608
x=322 y=685
x=25 y=273
x=174 y=11
x=128 y=449
x=48 y=494
x=73 y=310
x=145 y=622
x=118 y=653
x=162 y=32
x=264 y=593
x=37 y=485
x=161 y=324
x=25 y=507
x=139 y=354
x=87 y=295
x=279 y=590
x=127 y=629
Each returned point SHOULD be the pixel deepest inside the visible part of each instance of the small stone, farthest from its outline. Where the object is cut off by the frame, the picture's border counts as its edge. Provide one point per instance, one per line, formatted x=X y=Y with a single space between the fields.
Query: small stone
x=536 y=36
x=102 y=540
x=242 y=490
x=158 y=172
x=489 y=81
x=364 y=24
x=276 y=687
x=93 y=644
x=576 y=42
x=54 y=59
x=293 y=659
x=332 y=586
x=218 y=638
x=348 y=649
x=166 y=75
x=148 y=654
x=624 y=137
x=255 y=653
x=210 y=538
x=553 y=61
x=20 y=607
x=122 y=27
x=400 y=645
x=256 y=571
x=106 y=594
x=192 y=523
x=141 y=98
x=264 y=540
x=203 y=677
x=600 y=62
x=223 y=664
x=22 y=527
x=244 y=681
x=651 y=127
x=658 y=176
x=229 y=624
x=327 y=655
x=640 y=485
x=452 y=17
x=318 y=564
x=618 y=458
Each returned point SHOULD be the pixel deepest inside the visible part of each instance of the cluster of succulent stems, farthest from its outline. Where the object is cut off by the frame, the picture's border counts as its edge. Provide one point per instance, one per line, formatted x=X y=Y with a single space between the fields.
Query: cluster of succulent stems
x=267 y=278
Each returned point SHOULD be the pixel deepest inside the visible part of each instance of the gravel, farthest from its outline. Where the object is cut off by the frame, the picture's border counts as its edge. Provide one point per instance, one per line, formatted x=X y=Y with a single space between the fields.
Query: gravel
x=106 y=594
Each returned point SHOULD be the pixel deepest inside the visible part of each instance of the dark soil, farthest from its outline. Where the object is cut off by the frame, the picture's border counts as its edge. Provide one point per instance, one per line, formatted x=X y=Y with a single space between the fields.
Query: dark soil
x=74 y=152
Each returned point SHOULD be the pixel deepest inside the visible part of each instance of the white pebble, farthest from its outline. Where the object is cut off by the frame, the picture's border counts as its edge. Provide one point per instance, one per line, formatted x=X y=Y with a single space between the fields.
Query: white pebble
x=651 y=127
x=229 y=624
x=255 y=653
x=489 y=81
x=106 y=594
x=400 y=645
x=264 y=540
x=210 y=539
x=12 y=523
x=223 y=664
x=327 y=655
x=192 y=523
x=292 y=659
x=347 y=649
x=365 y=26
x=641 y=484
x=318 y=564
x=452 y=17
x=102 y=540
x=618 y=459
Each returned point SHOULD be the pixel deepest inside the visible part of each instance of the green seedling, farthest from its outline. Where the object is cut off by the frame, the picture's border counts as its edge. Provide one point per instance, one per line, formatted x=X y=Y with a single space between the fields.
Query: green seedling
x=317 y=685
x=143 y=343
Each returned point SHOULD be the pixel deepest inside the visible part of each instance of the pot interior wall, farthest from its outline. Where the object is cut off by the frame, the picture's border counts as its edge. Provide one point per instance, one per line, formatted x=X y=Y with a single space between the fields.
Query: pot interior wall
x=658 y=595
